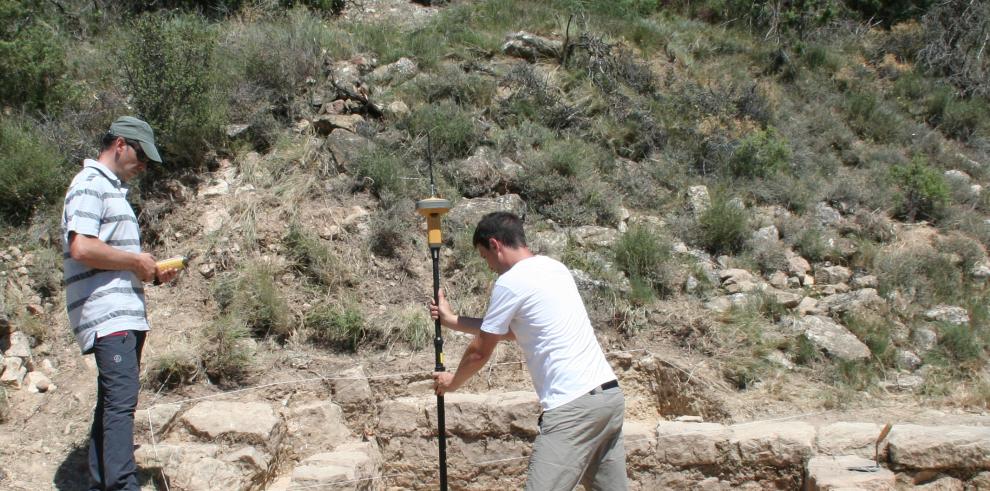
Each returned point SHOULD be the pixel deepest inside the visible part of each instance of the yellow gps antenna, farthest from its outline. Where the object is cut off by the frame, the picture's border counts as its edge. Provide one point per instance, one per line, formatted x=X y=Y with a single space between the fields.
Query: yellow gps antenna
x=433 y=208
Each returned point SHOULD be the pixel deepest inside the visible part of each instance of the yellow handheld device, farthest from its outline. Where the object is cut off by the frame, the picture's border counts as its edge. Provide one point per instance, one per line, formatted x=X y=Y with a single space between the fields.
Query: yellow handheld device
x=177 y=262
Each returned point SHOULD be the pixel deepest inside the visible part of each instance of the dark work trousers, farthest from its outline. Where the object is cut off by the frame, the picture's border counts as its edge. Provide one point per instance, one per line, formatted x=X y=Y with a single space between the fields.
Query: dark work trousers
x=111 y=439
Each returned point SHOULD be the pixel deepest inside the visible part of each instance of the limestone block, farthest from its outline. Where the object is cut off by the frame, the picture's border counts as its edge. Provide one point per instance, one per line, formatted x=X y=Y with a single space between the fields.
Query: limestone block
x=352 y=388
x=326 y=124
x=467 y=212
x=831 y=337
x=315 y=426
x=690 y=444
x=484 y=415
x=403 y=416
x=13 y=372
x=841 y=303
x=835 y=473
x=699 y=200
x=940 y=447
x=351 y=466
x=594 y=236
x=776 y=444
x=849 y=439
x=832 y=275
x=941 y=484
x=640 y=440
x=256 y=460
x=797 y=265
x=37 y=382
x=529 y=46
x=193 y=466
x=161 y=417
x=248 y=422
x=948 y=313
x=346 y=146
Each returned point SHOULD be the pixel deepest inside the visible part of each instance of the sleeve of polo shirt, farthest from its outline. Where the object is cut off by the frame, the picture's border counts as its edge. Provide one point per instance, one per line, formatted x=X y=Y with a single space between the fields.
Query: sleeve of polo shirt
x=84 y=210
x=501 y=309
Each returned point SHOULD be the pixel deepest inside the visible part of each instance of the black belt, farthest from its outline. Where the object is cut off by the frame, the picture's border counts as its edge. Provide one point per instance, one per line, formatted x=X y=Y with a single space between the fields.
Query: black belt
x=607 y=385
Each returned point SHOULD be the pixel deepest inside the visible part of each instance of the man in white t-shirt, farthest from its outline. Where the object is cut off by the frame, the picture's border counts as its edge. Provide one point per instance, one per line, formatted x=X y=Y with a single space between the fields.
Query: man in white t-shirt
x=536 y=302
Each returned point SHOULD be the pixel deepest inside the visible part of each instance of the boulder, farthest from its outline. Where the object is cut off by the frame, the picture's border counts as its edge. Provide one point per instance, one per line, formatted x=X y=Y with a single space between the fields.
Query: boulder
x=948 y=313
x=945 y=483
x=902 y=382
x=797 y=265
x=778 y=280
x=403 y=416
x=346 y=146
x=957 y=175
x=831 y=337
x=547 y=242
x=37 y=382
x=467 y=212
x=845 y=438
x=640 y=440
x=865 y=281
x=350 y=466
x=698 y=200
x=19 y=345
x=161 y=417
x=395 y=73
x=592 y=236
x=767 y=234
x=737 y=280
x=690 y=444
x=725 y=303
x=327 y=123
x=787 y=299
x=832 y=275
x=827 y=215
x=773 y=444
x=530 y=46
x=924 y=339
x=841 y=303
x=808 y=306
x=958 y=448
x=14 y=372
x=908 y=360
x=835 y=473
x=247 y=422
x=485 y=172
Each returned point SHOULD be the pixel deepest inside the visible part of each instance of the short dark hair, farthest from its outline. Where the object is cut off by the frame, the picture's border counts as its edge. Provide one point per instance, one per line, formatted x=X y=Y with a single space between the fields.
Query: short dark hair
x=108 y=139
x=503 y=226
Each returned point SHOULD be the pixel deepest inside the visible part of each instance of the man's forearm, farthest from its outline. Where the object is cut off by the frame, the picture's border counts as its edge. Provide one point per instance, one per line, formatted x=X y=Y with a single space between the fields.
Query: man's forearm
x=470 y=325
x=97 y=254
x=471 y=362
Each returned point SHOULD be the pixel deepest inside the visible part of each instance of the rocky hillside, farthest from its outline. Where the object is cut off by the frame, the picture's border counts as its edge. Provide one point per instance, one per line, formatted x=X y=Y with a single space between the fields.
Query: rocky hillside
x=781 y=239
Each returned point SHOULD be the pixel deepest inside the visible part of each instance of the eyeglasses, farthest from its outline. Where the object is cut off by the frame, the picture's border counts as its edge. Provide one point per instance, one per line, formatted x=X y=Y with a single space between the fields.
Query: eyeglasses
x=141 y=156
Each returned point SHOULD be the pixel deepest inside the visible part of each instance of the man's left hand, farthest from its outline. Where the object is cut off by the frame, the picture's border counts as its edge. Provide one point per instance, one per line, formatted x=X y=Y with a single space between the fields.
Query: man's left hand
x=443 y=382
x=166 y=275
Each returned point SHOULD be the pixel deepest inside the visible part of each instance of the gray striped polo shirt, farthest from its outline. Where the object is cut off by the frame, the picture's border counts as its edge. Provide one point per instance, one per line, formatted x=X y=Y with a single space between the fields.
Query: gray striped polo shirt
x=100 y=302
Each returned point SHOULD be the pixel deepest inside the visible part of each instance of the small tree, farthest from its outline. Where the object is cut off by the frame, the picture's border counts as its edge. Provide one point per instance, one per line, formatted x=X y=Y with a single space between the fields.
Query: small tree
x=924 y=191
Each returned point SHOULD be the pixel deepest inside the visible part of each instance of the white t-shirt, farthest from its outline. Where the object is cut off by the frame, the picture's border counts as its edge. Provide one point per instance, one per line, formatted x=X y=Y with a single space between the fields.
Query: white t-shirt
x=538 y=300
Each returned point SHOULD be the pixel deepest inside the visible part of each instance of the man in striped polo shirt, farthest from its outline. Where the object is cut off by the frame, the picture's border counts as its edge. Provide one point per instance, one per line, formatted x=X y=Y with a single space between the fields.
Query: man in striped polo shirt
x=105 y=271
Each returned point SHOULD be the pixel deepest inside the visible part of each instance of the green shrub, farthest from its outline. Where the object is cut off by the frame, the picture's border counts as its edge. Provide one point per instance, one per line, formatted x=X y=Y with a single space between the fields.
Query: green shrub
x=875 y=333
x=923 y=274
x=32 y=173
x=417 y=329
x=805 y=352
x=968 y=250
x=924 y=191
x=338 y=327
x=811 y=244
x=225 y=353
x=253 y=299
x=957 y=118
x=760 y=154
x=452 y=130
x=450 y=83
x=562 y=182
x=380 y=171
x=314 y=259
x=170 y=73
x=174 y=369
x=961 y=344
x=645 y=257
x=724 y=226
x=871 y=117
x=277 y=56
x=769 y=255
x=33 y=68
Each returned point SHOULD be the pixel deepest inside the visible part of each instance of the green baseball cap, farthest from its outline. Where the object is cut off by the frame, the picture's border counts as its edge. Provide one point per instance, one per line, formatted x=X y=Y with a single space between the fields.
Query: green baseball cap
x=134 y=129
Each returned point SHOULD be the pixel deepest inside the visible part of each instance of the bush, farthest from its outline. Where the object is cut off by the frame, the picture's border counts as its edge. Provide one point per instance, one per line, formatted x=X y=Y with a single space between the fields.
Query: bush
x=724 y=226
x=390 y=226
x=924 y=191
x=226 y=356
x=314 y=259
x=563 y=183
x=253 y=299
x=451 y=129
x=33 y=70
x=955 y=38
x=339 y=327
x=32 y=173
x=875 y=333
x=170 y=74
x=417 y=329
x=464 y=89
x=645 y=257
x=871 y=117
x=769 y=255
x=174 y=369
x=957 y=118
x=960 y=344
x=760 y=154
x=923 y=274
x=380 y=171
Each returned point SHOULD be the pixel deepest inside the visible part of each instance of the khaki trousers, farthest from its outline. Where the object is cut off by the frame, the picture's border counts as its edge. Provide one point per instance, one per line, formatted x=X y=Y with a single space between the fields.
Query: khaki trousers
x=581 y=442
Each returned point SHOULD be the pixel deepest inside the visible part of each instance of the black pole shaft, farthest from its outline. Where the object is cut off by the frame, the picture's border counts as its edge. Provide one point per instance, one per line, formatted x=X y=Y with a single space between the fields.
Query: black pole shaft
x=438 y=346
